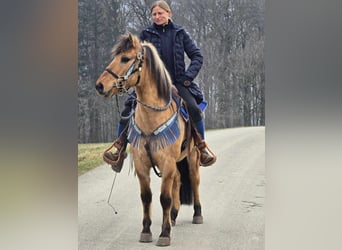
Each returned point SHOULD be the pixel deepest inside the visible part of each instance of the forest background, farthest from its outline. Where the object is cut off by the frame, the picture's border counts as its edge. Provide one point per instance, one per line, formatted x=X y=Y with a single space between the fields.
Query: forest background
x=230 y=34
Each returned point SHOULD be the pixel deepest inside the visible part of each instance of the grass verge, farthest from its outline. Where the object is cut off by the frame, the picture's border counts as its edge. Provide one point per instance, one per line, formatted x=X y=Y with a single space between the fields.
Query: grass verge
x=90 y=156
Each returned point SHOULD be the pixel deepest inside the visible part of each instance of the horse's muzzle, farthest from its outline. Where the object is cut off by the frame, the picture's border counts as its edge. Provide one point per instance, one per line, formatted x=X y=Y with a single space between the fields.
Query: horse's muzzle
x=99 y=87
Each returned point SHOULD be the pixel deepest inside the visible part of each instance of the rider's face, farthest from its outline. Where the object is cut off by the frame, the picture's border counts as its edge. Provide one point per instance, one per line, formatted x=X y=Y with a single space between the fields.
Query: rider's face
x=160 y=16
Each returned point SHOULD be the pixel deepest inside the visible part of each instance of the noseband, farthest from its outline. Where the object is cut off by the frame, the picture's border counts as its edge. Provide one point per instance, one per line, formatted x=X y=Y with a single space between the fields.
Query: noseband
x=120 y=82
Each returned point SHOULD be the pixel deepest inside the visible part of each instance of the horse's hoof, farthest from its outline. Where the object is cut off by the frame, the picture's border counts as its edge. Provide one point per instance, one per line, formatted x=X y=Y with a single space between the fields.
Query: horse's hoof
x=145 y=237
x=173 y=223
x=163 y=241
x=197 y=219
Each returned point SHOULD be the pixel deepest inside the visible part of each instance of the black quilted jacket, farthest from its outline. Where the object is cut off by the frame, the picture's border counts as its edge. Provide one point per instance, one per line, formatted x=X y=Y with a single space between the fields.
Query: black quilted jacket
x=181 y=42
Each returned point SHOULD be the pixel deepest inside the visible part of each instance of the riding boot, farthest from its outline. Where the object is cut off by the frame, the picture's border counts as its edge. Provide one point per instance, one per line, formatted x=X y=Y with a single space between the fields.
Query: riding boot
x=116 y=159
x=207 y=157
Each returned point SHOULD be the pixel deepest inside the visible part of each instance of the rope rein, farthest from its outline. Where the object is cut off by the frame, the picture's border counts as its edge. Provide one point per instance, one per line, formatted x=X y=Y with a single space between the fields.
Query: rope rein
x=153 y=107
x=110 y=194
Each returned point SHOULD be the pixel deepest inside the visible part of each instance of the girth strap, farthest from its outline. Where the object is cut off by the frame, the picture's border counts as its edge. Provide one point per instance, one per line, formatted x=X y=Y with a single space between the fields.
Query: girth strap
x=149 y=154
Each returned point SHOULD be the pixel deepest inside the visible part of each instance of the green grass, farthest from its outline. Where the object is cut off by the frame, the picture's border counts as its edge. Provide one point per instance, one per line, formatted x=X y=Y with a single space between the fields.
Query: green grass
x=90 y=156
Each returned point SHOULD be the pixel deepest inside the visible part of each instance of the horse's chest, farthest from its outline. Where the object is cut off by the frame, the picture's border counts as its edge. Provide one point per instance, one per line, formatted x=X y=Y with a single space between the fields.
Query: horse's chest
x=160 y=138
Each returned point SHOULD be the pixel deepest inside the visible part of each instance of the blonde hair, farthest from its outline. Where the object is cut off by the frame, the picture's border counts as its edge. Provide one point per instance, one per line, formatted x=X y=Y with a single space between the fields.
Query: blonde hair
x=162 y=4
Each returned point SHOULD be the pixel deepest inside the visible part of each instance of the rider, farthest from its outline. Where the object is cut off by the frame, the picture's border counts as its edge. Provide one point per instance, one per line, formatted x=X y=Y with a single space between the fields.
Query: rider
x=171 y=41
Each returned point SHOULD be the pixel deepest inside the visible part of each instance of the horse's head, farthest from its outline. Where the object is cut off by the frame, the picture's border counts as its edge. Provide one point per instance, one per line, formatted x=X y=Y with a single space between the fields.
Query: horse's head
x=123 y=71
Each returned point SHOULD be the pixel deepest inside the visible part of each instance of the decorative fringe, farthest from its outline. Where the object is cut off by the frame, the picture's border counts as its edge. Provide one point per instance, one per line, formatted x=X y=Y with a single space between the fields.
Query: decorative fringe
x=162 y=137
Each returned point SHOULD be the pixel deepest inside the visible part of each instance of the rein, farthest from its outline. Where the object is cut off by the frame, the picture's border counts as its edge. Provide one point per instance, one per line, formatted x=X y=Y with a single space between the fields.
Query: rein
x=153 y=107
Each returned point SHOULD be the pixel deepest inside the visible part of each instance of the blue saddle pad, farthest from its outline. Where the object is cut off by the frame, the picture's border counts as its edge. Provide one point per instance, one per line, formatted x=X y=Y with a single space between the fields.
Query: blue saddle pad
x=203 y=105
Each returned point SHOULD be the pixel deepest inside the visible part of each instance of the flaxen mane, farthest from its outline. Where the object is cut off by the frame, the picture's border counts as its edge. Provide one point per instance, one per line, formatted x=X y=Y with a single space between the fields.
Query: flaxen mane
x=153 y=62
x=158 y=71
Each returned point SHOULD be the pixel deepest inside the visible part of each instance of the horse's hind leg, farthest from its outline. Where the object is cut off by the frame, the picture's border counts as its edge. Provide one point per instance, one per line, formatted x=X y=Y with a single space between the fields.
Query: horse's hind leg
x=195 y=181
x=175 y=199
x=146 y=199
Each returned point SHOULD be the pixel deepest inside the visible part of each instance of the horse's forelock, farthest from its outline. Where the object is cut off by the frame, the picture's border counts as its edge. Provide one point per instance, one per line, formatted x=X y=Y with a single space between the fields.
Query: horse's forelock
x=124 y=44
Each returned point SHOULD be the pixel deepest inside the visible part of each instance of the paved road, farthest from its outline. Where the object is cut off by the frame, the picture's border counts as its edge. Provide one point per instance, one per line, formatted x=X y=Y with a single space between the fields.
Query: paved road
x=232 y=196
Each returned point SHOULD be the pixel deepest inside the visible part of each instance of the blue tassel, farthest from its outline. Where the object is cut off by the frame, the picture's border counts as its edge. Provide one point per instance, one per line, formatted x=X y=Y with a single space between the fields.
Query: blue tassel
x=162 y=137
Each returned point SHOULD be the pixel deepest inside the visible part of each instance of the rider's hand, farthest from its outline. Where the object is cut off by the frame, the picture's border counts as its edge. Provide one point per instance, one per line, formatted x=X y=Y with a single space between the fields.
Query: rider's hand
x=187 y=83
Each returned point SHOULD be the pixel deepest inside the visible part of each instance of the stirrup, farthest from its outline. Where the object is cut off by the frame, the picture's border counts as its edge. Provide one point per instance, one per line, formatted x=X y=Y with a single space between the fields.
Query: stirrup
x=115 y=159
x=202 y=145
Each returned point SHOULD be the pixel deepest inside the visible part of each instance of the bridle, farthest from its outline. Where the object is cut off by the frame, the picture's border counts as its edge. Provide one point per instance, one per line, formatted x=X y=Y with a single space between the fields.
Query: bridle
x=120 y=82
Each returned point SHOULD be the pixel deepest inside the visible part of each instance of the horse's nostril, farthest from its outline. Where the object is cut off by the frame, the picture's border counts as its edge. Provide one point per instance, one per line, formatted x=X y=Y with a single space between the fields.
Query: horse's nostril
x=99 y=87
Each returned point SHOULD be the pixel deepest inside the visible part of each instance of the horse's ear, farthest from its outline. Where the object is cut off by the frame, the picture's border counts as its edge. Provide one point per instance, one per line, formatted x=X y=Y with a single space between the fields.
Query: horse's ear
x=133 y=39
x=130 y=37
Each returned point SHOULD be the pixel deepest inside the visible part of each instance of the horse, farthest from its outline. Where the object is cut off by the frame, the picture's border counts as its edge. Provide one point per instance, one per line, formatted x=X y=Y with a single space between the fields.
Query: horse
x=157 y=132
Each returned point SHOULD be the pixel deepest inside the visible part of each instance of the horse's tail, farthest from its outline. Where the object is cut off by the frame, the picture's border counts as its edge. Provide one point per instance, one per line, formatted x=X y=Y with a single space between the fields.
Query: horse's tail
x=186 y=193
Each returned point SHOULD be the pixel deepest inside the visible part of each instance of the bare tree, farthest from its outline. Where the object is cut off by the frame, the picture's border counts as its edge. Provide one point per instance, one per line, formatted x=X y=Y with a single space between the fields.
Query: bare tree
x=230 y=34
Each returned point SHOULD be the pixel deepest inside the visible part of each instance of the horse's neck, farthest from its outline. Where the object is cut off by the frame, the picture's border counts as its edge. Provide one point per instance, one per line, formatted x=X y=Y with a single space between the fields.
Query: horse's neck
x=146 y=118
x=148 y=94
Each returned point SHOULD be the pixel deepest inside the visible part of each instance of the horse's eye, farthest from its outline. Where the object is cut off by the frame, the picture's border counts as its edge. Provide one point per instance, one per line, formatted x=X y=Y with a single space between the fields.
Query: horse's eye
x=125 y=59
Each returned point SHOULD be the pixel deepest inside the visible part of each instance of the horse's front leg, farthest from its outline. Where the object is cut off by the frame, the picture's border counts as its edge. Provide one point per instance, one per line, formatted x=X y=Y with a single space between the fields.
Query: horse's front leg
x=146 y=199
x=175 y=198
x=166 y=202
